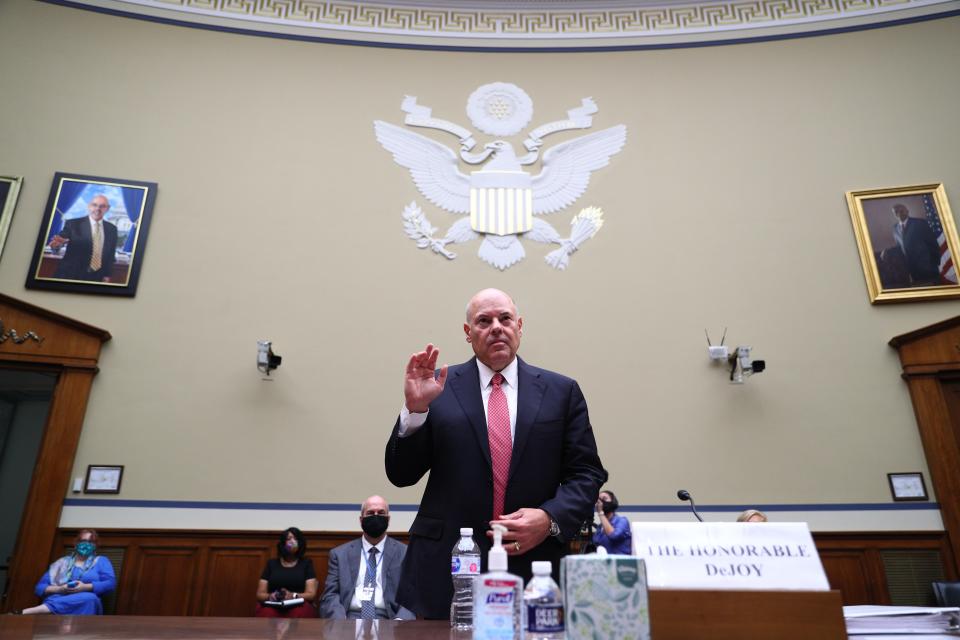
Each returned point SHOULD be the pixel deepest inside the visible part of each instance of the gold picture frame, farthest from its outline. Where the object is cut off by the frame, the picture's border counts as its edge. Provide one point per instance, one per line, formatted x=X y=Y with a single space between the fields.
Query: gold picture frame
x=9 y=192
x=908 y=242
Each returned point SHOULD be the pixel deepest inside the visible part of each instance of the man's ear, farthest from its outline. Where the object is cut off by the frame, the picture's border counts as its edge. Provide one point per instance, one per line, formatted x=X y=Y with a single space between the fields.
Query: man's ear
x=466 y=330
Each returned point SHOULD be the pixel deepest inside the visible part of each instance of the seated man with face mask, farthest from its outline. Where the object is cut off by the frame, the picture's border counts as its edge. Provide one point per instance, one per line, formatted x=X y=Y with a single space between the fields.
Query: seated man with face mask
x=363 y=574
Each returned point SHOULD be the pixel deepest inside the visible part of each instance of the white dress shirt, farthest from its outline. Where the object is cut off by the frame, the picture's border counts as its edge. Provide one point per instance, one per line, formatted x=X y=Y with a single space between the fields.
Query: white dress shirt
x=410 y=422
x=362 y=573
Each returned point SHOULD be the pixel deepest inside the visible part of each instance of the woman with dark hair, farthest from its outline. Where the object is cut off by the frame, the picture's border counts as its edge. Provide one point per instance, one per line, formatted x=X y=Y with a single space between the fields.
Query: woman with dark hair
x=613 y=534
x=74 y=583
x=289 y=576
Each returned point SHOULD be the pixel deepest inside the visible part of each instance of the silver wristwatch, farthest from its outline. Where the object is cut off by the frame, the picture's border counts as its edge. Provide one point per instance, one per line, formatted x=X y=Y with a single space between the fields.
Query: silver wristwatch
x=554 y=529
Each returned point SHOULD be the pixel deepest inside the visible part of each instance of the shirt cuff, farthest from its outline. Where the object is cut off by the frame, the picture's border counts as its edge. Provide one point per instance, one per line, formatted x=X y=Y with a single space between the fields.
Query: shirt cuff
x=410 y=422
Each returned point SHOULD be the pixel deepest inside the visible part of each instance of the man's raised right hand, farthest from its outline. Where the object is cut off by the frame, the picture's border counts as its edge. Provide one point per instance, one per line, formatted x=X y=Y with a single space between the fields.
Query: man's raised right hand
x=420 y=387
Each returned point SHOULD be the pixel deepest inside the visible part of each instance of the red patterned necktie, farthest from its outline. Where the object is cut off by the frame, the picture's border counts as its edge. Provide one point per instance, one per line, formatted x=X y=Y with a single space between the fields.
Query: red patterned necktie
x=501 y=442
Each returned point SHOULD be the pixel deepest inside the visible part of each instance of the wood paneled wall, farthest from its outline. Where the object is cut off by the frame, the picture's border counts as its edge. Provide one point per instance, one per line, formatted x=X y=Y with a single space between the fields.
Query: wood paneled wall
x=886 y=568
x=194 y=573
x=215 y=573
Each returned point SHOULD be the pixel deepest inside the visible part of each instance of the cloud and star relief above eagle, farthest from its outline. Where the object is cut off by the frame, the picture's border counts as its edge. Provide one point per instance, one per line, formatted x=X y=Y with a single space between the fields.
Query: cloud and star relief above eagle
x=501 y=202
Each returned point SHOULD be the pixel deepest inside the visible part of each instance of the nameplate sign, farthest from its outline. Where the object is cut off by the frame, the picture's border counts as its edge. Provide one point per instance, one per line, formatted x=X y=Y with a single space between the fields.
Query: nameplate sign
x=729 y=555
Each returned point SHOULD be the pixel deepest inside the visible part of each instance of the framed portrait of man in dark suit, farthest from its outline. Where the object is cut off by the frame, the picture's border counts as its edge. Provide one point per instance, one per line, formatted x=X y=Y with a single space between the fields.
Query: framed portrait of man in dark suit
x=93 y=235
x=908 y=244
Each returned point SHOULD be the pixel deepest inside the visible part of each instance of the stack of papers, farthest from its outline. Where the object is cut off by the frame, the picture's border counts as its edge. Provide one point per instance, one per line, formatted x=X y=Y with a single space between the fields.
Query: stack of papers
x=872 y=619
x=292 y=602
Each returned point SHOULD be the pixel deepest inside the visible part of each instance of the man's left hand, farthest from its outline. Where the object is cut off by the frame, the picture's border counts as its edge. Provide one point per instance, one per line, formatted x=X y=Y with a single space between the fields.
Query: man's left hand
x=528 y=527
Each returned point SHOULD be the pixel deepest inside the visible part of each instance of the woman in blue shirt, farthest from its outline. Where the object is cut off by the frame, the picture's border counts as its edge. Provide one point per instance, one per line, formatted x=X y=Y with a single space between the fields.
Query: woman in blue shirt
x=613 y=534
x=74 y=583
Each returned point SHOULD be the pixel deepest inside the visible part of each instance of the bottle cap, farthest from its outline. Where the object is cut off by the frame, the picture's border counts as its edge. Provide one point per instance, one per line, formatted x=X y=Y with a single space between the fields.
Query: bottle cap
x=497 y=558
x=542 y=567
x=466 y=531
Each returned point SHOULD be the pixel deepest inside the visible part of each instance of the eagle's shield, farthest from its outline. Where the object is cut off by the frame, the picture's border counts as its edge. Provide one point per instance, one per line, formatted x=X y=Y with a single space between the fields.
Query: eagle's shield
x=501 y=202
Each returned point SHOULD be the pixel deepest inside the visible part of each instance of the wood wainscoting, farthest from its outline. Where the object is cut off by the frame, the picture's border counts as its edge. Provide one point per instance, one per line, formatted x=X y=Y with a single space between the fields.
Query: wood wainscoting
x=892 y=568
x=194 y=573
x=215 y=573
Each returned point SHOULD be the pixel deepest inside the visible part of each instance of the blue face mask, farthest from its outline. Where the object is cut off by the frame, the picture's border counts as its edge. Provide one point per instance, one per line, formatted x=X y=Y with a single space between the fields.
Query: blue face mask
x=85 y=548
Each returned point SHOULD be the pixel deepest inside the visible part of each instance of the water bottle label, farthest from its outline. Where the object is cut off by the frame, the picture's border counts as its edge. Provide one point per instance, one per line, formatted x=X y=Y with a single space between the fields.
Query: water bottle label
x=465 y=565
x=545 y=618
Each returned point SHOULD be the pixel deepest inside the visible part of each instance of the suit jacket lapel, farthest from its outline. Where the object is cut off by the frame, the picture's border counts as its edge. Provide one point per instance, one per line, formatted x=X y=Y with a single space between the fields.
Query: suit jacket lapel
x=530 y=393
x=389 y=572
x=349 y=581
x=466 y=387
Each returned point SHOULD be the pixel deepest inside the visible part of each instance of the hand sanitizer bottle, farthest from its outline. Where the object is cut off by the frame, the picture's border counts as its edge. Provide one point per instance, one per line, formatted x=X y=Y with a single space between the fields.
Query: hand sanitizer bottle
x=497 y=597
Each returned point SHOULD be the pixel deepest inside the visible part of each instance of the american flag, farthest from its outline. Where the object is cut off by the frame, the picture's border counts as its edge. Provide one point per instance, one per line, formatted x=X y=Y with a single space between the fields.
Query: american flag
x=948 y=271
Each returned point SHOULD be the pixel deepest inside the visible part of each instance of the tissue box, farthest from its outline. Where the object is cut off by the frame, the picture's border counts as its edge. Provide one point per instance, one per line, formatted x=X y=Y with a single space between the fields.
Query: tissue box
x=605 y=597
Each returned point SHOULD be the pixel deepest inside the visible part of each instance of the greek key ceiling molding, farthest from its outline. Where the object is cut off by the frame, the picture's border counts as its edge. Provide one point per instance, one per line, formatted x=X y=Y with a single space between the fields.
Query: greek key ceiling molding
x=531 y=24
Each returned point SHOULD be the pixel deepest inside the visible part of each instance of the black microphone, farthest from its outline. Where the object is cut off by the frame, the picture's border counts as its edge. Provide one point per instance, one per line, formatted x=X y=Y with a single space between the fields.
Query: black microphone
x=684 y=495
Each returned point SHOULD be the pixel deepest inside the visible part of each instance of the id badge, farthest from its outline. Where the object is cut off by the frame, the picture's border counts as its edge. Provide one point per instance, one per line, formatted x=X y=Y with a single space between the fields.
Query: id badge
x=365 y=594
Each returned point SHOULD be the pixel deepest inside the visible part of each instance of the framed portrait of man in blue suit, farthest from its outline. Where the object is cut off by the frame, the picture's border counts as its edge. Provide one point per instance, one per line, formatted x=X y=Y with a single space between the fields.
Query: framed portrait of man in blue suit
x=93 y=235
x=907 y=239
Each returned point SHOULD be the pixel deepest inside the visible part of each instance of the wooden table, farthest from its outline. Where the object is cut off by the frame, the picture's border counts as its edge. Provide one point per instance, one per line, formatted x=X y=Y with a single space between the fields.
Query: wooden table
x=674 y=615
x=183 y=628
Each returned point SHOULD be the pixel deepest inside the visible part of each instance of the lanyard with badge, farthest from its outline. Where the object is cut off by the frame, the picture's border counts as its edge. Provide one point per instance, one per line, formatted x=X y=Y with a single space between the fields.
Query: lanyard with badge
x=366 y=593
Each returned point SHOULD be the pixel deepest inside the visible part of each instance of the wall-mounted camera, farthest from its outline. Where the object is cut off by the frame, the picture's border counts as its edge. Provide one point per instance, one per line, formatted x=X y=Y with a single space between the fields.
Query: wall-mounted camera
x=267 y=360
x=741 y=366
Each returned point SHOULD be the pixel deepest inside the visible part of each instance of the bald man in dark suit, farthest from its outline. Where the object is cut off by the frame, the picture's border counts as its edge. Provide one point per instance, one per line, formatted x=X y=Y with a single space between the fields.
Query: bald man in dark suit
x=91 y=245
x=503 y=441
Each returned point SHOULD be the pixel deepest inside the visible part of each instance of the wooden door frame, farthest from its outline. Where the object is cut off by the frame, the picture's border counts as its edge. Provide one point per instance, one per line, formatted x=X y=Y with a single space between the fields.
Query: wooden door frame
x=930 y=358
x=70 y=349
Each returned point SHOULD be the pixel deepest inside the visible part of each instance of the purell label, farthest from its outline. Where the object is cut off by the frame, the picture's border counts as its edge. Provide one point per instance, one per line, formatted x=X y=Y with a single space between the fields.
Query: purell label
x=545 y=618
x=501 y=597
x=496 y=612
x=465 y=565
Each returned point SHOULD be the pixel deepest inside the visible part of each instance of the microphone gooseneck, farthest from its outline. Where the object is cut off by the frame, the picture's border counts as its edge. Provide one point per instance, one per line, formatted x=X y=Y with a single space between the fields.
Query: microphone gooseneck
x=684 y=495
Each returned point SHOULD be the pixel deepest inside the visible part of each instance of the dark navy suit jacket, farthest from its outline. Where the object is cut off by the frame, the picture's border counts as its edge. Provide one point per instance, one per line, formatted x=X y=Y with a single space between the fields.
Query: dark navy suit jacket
x=76 y=261
x=554 y=466
x=921 y=250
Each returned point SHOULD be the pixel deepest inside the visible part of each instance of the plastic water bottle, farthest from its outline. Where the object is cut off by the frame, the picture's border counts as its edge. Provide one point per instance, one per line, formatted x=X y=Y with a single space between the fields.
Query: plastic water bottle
x=543 y=605
x=464 y=569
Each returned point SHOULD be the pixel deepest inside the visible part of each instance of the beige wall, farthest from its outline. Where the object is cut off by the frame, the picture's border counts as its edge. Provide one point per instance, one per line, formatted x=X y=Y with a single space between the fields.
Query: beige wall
x=278 y=217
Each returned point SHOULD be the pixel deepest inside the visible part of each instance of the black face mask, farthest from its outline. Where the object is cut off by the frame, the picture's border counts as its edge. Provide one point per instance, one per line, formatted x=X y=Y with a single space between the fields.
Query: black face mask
x=610 y=507
x=374 y=526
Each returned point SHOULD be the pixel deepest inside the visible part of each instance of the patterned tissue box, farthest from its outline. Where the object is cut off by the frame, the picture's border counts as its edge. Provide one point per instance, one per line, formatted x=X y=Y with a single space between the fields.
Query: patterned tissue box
x=605 y=597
